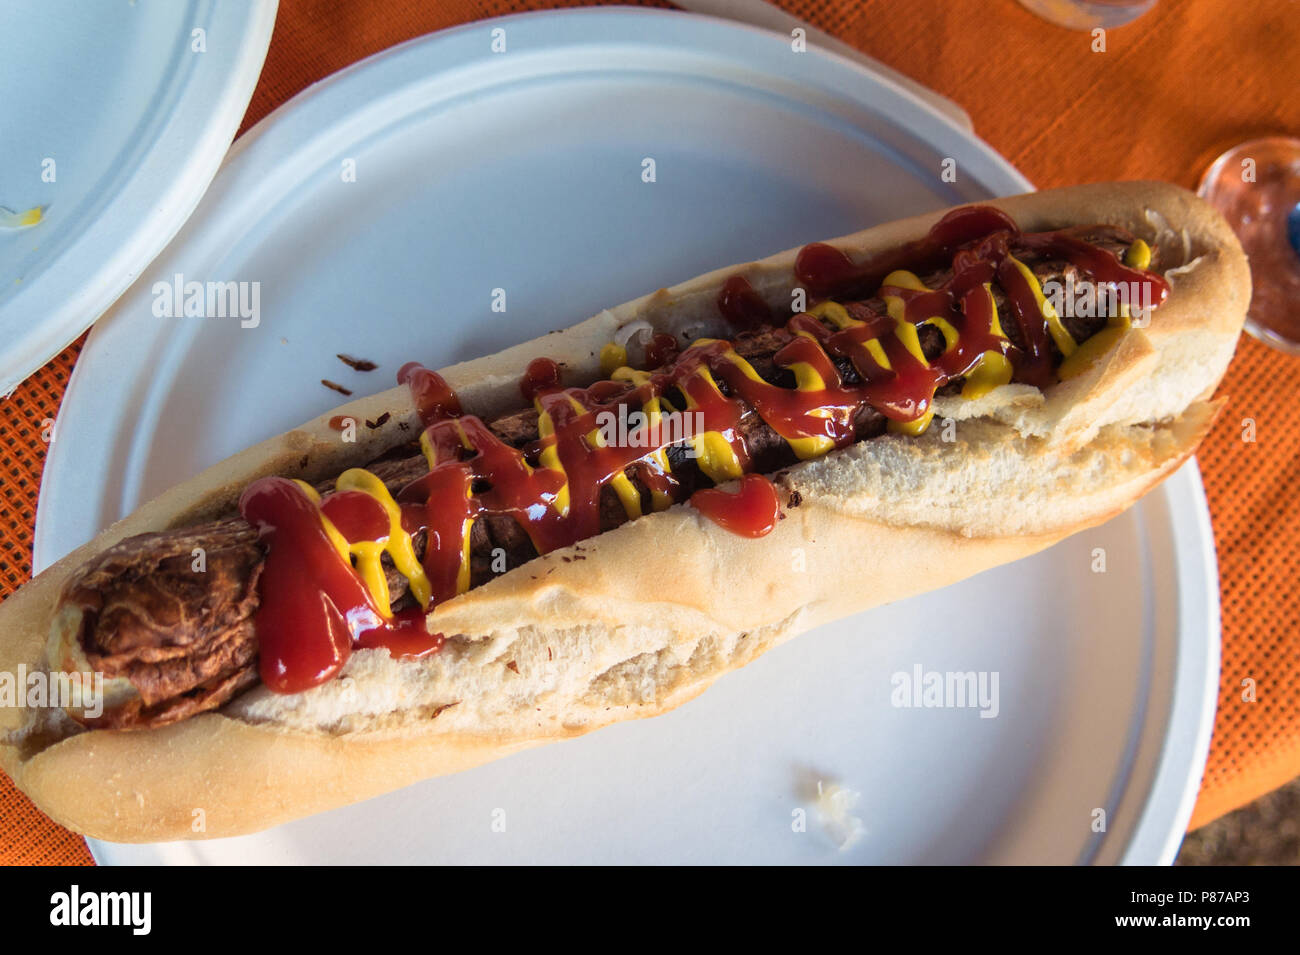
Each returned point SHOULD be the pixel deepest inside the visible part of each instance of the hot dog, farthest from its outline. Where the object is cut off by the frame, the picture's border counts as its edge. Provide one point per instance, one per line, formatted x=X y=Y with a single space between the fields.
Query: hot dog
x=595 y=525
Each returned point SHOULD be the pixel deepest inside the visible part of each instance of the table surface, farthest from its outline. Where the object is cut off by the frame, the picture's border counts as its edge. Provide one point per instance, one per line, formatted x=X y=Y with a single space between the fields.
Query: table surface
x=1168 y=94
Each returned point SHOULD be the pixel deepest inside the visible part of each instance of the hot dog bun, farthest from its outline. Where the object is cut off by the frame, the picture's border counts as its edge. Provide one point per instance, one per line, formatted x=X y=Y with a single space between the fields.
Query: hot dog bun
x=662 y=606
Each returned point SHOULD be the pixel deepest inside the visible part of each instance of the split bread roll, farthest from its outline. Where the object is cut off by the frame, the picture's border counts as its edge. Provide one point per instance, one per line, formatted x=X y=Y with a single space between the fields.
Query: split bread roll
x=663 y=605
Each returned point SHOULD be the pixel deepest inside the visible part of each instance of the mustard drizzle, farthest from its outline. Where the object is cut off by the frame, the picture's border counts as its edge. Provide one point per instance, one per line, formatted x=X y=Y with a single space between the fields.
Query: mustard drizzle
x=716 y=456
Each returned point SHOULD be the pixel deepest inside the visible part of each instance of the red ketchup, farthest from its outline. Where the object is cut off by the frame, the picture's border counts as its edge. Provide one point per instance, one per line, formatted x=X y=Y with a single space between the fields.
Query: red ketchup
x=357 y=516
x=741 y=306
x=661 y=350
x=314 y=607
x=406 y=636
x=751 y=512
x=542 y=375
x=827 y=272
x=978 y=242
x=434 y=399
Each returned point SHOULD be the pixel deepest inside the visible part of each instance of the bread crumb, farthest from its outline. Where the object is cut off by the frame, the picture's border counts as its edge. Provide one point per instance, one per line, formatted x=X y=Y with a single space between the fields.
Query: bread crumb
x=834 y=803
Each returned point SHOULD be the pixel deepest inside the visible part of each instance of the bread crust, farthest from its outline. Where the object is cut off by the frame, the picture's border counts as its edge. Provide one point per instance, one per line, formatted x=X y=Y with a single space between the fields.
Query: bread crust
x=638 y=620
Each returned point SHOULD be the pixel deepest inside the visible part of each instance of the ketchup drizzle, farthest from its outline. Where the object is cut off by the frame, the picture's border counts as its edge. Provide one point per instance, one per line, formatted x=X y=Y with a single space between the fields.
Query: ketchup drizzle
x=743 y=307
x=433 y=398
x=314 y=607
x=752 y=511
x=543 y=374
x=661 y=350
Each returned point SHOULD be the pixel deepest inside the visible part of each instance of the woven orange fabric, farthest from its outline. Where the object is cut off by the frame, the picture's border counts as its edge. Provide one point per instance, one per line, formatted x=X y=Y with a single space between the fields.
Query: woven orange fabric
x=27 y=836
x=1169 y=93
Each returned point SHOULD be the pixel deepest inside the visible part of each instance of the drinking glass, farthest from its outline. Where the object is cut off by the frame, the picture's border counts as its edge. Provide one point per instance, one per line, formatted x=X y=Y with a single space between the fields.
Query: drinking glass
x=1089 y=14
x=1256 y=185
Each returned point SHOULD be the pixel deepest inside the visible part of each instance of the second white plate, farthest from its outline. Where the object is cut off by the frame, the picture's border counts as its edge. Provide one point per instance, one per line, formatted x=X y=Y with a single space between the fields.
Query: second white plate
x=115 y=117
x=523 y=171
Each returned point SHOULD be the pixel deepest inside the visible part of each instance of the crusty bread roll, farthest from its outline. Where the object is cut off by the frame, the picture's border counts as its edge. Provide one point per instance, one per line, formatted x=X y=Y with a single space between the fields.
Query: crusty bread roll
x=664 y=605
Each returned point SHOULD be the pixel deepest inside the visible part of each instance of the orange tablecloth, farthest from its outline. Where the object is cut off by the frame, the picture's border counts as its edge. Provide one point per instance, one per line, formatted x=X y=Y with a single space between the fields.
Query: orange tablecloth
x=1169 y=93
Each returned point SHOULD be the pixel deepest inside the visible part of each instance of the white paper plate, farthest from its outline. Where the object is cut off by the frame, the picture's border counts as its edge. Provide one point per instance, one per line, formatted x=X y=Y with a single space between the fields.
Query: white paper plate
x=117 y=104
x=522 y=171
